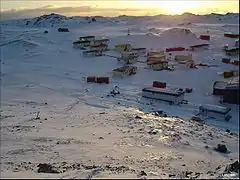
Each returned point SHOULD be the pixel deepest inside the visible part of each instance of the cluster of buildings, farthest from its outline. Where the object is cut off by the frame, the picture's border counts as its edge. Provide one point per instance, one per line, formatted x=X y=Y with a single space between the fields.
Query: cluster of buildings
x=156 y=60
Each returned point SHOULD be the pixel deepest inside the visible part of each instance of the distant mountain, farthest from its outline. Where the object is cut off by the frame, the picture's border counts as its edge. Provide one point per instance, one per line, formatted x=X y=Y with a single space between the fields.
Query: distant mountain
x=57 y=20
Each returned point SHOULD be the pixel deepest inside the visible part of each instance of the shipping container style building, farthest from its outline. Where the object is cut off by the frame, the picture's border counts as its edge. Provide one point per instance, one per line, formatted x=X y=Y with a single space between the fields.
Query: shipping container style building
x=215 y=112
x=168 y=95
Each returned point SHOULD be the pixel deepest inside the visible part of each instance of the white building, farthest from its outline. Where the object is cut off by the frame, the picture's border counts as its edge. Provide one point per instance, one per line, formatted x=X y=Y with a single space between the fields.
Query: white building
x=92 y=53
x=100 y=47
x=168 y=95
x=200 y=47
x=157 y=65
x=81 y=44
x=215 y=112
x=87 y=38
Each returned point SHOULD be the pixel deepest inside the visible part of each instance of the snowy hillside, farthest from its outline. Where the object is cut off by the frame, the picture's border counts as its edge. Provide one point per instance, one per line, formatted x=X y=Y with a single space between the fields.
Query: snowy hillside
x=56 y=20
x=56 y=125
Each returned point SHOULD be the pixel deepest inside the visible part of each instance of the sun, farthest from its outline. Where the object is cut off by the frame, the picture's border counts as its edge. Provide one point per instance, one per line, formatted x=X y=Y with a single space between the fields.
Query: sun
x=179 y=7
x=173 y=6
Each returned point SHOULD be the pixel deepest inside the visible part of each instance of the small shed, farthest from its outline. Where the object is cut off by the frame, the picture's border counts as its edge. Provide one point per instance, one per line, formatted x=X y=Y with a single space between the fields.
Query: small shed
x=158 y=84
x=125 y=71
x=63 y=30
x=199 y=47
x=228 y=74
x=157 y=65
x=102 y=80
x=92 y=53
x=205 y=37
x=231 y=35
x=91 y=79
x=215 y=112
x=226 y=60
x=123 y=47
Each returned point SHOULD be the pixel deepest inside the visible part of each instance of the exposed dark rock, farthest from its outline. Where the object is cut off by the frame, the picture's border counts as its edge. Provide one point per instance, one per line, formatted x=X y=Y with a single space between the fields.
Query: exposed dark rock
x=234 y=167
x=138 y=117
x=187 y=173
x=227 y=130
x=221 y=148
x=171 y=175
x=90 y=167
x=101 y=137
x=45 y=32
x=63 y=30
x=142 y=173
x=46 y=168
x=153 y=132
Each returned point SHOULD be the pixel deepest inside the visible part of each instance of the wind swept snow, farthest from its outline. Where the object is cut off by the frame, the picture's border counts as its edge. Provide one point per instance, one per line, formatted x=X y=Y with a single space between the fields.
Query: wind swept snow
x=56 y=125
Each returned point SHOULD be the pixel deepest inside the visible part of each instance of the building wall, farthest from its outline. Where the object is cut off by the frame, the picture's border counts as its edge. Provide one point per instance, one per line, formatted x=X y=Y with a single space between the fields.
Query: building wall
x=88 y=39
x=165 y=65
x=98 y=48
x=127 y=60
x=164 y=97
x=231 y=96
x=156 y=66
x=183 y=57
x=199 y=48
x=215 y=115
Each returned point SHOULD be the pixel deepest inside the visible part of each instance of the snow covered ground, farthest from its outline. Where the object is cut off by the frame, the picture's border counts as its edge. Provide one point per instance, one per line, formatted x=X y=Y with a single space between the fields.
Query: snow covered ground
x=86 y=134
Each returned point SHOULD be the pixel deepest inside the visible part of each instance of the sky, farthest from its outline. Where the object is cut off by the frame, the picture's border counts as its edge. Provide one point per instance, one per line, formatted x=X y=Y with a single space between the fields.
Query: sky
x=29 y=8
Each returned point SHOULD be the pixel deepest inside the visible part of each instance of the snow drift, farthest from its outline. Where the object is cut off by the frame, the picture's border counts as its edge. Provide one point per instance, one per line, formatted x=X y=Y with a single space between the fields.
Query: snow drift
x=180 y=37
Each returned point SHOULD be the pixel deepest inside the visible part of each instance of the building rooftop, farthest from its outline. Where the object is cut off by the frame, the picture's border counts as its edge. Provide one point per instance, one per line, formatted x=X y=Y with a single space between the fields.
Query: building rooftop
x=215 y=108
x=163 y=91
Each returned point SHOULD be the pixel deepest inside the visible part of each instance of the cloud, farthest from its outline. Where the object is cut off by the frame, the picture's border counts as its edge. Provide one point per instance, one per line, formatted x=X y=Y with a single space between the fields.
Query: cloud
x=68 y=11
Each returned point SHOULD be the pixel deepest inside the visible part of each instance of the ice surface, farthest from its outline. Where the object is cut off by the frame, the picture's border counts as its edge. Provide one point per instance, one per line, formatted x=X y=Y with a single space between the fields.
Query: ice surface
x=80 y=126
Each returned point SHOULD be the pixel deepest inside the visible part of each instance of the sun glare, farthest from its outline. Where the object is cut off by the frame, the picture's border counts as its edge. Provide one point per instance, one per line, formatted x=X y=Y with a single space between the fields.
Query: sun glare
x=174 y=6
x=178 y=7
